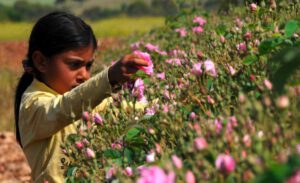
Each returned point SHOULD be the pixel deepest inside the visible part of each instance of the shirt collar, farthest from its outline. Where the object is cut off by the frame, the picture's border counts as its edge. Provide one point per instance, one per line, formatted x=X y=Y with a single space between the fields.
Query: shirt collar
x=43 y=87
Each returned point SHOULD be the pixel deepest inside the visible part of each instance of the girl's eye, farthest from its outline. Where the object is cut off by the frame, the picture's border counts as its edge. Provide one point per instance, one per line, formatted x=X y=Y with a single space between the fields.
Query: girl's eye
x=74 y=65
x=89 y=65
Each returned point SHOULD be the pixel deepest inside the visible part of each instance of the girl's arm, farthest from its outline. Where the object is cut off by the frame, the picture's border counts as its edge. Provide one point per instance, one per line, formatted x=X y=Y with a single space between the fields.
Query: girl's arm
x=42 y=114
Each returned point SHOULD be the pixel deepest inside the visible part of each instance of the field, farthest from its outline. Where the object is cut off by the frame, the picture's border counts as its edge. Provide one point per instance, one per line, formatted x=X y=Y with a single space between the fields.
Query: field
x=113 y=27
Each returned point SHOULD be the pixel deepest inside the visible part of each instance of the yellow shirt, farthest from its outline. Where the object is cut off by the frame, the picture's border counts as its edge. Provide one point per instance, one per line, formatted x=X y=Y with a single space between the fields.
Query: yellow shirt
x=45 y=120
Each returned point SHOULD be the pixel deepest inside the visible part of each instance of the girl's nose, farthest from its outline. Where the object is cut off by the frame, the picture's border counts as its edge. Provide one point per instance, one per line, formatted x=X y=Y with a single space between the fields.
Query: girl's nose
x=83 y=75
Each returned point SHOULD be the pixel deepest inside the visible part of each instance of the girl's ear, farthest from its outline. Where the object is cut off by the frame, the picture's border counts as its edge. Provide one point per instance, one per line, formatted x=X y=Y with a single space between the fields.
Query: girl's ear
x=39 y=61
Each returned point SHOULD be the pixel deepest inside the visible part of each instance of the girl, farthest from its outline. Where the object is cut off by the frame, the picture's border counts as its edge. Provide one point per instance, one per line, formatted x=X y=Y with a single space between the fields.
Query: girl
x=55 y=89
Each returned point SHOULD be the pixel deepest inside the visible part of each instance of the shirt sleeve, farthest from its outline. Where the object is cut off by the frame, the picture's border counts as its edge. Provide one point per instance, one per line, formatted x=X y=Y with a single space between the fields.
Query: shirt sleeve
x=43 y=114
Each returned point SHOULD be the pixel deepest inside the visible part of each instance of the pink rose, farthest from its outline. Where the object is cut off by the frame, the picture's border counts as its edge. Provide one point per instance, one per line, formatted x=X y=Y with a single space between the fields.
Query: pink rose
x=145 y=56
x=199 y=20
x=200 y=143
x=90 y=153
x=225 y=163
x=190 y=177
x=98 y=119
x=79 y=145
x=197 y=30
x=177 y=161
x=182 y=32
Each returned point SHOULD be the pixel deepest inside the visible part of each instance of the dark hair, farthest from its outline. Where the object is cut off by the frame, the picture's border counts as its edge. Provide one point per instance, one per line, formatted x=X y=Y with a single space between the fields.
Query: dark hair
x=52 y=34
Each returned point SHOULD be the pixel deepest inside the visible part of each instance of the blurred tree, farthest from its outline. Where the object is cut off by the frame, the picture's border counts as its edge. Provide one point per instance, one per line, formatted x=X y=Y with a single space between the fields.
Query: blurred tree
x=95 y=13
x=138 y=8
x=164 y=7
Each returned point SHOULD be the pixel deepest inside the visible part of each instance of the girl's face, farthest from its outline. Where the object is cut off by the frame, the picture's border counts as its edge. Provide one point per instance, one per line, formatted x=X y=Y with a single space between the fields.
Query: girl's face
x=69 y=69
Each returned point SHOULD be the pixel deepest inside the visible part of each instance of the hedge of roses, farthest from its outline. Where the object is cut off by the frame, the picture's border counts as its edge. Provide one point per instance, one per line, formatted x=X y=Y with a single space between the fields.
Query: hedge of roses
x=218 y=103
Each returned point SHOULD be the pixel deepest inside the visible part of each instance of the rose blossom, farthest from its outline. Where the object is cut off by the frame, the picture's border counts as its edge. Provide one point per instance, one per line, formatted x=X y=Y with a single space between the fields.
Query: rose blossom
x=145 y=56
x=200 y=143
x=225 y=163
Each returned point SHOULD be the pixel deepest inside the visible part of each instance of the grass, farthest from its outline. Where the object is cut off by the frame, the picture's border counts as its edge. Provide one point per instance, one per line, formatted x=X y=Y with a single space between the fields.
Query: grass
x=113 y=27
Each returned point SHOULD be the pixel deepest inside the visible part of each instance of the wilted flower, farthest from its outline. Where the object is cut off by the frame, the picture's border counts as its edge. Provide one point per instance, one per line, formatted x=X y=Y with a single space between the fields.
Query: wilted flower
x=98 y=119
x=197 y=70
x=199 y=20
x=128 y=171
x=231 y=70
x=210 y=68
x=182 y=32
x=210 y=100
x=260 y=134
x=90 y=153
x=110 y=173
x=298 y=148
x=239 y=23
x=225 y=163
x=165 y=108
x=222 y=39
x=218 y=125
x=177 y=161
x=138 y=88
x=247 y=35
x=176 y=61
x=241 y=47
x=116 y=145
x=190 y=177
x=253 y=7
x=157 y=148
x=200 y=143
x=152 y=47
x=145 y=56
x=192 y=116
x=150 y=157
x=282 y=102
x=247 y=140
x=161 y=75
x=150 y=111
x=85 y=116
x=135 y=46
x=268 y=84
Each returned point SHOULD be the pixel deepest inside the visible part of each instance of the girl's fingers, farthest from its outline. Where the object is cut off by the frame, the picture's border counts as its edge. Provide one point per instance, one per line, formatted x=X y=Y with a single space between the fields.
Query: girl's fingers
x=137 y=62
x=131 y=70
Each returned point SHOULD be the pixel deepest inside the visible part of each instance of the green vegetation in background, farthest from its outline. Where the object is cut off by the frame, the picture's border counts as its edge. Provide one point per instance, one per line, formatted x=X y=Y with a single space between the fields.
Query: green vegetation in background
x=124 y=26
x=8 y=80
x=113 y=27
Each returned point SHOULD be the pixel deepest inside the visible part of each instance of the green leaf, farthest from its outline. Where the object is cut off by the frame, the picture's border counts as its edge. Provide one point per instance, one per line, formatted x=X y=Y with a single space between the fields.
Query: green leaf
x=288 y=63
x=133 y=132
x=268 y=45
x=290 y=28
x=250 y=59
x=209 y=84
x=221 y=29
x=71 y=171
x=128 y=155
x=112 y=153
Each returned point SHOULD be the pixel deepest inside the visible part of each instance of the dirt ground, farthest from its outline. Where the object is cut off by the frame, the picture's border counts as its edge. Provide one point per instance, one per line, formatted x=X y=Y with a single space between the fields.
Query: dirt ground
x=13 y=164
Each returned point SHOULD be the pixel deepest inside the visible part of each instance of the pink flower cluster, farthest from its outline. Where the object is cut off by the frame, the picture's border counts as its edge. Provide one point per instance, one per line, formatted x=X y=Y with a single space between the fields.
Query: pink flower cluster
x=201 y=23
x=209 y=68
x=138 y=90
x=154 y=174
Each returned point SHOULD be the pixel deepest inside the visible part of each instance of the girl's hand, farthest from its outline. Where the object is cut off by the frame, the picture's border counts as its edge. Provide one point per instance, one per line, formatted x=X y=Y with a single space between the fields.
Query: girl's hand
x=122 y=71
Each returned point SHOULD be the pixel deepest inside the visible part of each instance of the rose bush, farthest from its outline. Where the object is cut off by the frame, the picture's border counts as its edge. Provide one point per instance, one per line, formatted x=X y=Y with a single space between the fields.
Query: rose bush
x=220 y=103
